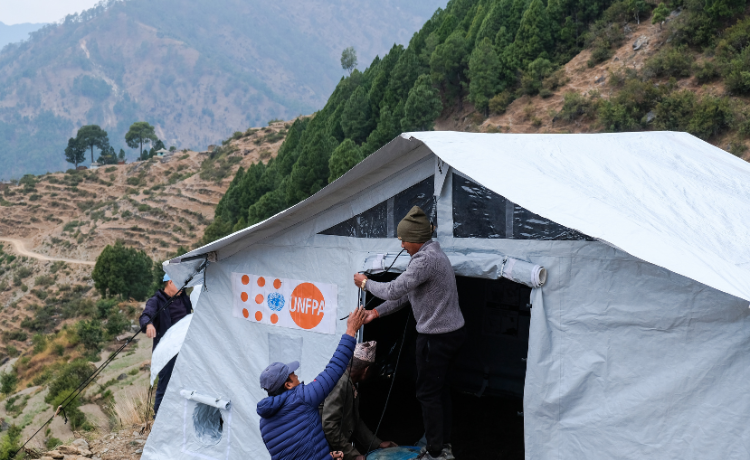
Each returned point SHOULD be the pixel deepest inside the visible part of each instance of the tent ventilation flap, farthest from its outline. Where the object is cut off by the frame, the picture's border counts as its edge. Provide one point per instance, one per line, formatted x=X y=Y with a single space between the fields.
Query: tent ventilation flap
x=219 y=403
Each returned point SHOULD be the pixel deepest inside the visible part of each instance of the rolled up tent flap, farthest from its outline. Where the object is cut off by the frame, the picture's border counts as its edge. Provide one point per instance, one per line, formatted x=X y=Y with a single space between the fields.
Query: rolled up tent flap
x=472 y=264
x=524 y=272
x=212 y=401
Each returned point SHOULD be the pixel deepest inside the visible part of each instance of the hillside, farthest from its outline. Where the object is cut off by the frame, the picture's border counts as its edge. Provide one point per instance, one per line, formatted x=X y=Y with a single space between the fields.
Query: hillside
x=520 y=66
x=198 y=71
x=52 y=228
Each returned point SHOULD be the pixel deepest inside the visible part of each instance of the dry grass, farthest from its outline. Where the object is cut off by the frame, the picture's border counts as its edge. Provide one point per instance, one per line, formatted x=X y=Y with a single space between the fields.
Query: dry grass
x=132 y=408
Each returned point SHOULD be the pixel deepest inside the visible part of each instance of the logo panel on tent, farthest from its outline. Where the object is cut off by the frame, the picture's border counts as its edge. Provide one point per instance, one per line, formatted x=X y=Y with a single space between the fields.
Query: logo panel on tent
x=296 y=304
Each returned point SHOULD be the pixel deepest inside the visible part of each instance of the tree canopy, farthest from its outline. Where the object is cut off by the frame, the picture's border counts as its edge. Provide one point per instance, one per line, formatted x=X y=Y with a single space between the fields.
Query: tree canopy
x=75 y=152
x=139 y=133
x=92 y=136
x=349 y=59
x=123 y=271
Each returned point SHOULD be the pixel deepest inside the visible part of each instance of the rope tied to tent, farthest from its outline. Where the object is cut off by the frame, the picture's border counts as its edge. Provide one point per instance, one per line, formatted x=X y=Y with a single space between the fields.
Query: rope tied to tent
x=72 y=396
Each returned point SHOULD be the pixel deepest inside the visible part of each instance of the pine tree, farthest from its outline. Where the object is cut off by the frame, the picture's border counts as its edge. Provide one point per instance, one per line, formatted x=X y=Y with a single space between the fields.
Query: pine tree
x=476 y=24
x=660 y=14
x=93 y=136
x=75 y=152
x=402 y=78
x=310 y=172
x=343 y=158
x=515 y=15
x=494 y=19
x=484 y=71
x=356 y=121
x=446 y=27
x=389 y=126
x=448 y=63
x=422 y=107
x=533 y=39
x=556 y=19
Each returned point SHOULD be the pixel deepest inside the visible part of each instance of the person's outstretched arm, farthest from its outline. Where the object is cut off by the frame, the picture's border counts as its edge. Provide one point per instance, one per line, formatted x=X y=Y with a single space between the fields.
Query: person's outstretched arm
x=316 y=392
x=149 y=313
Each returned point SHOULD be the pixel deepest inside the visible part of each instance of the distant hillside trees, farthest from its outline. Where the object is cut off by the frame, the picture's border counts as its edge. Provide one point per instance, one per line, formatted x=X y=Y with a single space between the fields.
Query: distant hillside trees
x=349 y=59
x=139 y=133
x=75 y=152
x=123 y=271
x=92 y=136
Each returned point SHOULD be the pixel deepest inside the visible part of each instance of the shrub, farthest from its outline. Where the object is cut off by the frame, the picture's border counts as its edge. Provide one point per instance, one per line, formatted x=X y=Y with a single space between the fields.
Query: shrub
x=627 y=110
x=500 y=102
x=40 y=343
x=116 y=322
x=76 y=418
x=538 y=70
x=12 y=351
x=670 y=62
x=15 y=335
x=8 y=381
x=104 y=306
x=52 y=442
x=705 y=72
x=44 y=280
x=576 y=105
x=70 y=225
x=91 y=334
x=58 y=349
x=68 y=378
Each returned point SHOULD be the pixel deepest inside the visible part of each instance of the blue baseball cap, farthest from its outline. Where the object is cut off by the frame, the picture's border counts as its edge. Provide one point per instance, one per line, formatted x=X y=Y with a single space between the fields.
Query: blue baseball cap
x=166 y=278
x=274 y=376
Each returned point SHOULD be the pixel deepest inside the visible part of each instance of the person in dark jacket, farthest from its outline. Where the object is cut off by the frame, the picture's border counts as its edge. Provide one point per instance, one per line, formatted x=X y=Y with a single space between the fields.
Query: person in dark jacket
x=340 y=411
x=155 y=324
x=429 y=285
x=290 y=423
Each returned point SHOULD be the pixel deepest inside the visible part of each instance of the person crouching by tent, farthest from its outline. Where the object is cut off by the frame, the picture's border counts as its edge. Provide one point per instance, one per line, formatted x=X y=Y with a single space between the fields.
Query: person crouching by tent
x=340 y=411
x=156 y=326
x=290 y=424
x=429 y=284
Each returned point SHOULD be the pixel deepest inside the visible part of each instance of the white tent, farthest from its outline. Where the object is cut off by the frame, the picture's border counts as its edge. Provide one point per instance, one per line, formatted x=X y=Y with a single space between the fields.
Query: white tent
x=636 y=342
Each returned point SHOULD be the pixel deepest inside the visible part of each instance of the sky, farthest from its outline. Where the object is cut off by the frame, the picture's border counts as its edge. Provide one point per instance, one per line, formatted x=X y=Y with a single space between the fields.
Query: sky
x=22 y=11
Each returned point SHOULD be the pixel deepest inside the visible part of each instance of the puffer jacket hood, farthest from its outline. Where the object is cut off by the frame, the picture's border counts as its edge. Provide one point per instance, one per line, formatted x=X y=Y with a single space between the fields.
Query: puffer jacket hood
x=268 y=407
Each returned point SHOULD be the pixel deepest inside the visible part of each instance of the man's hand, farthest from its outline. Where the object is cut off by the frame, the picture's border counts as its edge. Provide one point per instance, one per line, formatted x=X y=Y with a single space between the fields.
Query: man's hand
x=358 y=278
x=337 y=455
x=370 y=315
x=387 y=444
x=355 y=321
x=150 y=331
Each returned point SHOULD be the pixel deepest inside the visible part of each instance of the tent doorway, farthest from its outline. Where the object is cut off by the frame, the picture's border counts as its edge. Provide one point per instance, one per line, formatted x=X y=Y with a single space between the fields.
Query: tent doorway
x=487 y=377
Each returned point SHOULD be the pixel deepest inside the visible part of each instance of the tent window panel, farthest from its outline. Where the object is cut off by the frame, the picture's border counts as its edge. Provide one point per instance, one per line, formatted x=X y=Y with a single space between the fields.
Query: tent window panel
x=530 y=226
x=381 y=220
x=477 y=211
x=420 y=194
x=482 y=213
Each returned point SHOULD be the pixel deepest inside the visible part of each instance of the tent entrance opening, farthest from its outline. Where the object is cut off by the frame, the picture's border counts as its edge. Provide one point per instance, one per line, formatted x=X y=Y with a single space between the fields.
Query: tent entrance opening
x=487 y=376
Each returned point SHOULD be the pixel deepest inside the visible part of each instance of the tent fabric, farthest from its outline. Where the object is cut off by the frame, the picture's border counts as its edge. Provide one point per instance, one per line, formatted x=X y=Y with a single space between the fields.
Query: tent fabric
x=169 y=346
x=668 y=198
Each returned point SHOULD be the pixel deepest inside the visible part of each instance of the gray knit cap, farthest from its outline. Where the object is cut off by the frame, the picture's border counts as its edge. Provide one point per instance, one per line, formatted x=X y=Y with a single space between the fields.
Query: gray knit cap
x=415 y=227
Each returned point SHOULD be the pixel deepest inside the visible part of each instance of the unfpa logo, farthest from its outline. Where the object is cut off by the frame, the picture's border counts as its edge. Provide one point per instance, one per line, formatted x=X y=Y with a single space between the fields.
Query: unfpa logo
x=284 y=302
x=308 y=306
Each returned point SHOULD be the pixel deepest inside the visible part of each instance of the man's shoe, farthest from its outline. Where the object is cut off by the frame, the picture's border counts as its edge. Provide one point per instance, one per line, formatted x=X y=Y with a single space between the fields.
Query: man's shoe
x=426 y=456
x=448 y=452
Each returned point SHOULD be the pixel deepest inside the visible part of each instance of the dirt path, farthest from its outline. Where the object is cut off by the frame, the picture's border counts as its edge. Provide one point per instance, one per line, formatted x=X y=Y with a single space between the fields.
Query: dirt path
x=19 y=246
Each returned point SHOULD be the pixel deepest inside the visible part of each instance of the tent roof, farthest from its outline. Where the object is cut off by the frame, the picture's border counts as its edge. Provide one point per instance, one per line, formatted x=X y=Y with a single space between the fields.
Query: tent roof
x=668 y=198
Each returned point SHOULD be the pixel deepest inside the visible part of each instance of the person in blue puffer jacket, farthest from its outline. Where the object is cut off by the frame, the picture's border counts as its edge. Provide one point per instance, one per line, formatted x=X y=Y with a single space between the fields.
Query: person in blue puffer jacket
x=290 y=422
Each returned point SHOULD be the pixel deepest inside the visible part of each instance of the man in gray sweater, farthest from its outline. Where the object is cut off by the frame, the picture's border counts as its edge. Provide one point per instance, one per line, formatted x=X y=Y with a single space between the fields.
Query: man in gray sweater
x=429 y=285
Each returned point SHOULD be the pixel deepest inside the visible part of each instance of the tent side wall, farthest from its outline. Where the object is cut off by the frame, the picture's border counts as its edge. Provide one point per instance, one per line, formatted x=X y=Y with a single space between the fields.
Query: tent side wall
x=629 y=360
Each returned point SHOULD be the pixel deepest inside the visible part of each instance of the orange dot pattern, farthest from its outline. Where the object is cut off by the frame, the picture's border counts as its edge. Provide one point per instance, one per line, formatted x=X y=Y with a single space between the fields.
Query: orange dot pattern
x=258 y=316
x=245 y=279
x=277 y=283
x=259 y=299
x=243 y=296
x=261 y=281
x=245 y=313
x=274 y=318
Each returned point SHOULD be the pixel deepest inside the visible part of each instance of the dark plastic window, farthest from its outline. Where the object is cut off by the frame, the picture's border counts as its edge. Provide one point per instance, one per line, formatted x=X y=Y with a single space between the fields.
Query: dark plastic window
x=378 y=221
x=477 y=211
x=482 y=213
